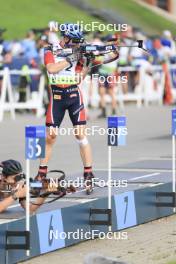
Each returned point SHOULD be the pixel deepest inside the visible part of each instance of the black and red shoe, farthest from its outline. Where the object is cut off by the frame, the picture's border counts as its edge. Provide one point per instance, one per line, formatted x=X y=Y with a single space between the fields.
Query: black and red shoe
x=42 y=173
x=88 y=176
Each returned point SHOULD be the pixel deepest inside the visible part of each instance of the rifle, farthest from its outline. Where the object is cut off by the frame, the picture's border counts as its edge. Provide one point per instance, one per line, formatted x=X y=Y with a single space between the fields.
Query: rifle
x=91 y=51
x=42 y=188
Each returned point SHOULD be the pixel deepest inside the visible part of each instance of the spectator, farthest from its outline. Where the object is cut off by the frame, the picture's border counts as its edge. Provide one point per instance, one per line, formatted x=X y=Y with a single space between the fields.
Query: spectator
x=169 y=47
x=29 y=45
x=52 y=33
x=19 y=54
x=16 y=48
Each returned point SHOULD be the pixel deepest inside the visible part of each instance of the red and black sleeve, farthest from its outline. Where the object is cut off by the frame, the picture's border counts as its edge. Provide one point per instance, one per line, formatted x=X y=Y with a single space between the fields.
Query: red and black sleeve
x=48 y=55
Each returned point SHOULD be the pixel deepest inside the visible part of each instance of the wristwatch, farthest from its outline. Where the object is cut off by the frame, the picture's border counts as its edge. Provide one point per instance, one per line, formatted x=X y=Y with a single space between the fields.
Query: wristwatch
x=14 y=196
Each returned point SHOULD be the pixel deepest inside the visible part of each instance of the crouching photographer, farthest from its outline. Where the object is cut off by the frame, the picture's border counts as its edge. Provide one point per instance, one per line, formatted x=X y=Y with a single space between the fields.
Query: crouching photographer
x=13 y=188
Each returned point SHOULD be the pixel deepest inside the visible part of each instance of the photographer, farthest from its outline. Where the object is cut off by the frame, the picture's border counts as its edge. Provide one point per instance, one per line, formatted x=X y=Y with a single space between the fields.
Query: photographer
x=12 y=178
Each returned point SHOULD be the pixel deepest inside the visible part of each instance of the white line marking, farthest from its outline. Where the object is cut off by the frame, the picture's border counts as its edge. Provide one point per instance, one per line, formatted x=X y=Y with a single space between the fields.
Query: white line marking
x=157 y=159
x=81 y=191
x=135 y=170
x=76 y=200
x=145 y=176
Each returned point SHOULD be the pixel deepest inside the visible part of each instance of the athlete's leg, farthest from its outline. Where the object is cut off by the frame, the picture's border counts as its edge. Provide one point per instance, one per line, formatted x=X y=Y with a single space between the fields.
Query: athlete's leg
x=85 y=149
x=78 y=118
x=86 y=155
x=54 y=117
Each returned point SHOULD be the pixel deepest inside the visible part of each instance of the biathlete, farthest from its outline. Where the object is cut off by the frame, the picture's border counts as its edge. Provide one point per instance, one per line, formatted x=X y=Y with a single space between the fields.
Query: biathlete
x=64 y=73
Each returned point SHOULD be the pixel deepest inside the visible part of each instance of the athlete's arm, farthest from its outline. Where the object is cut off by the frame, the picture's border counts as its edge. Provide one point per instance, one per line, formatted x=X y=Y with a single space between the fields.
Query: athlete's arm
x=85 y=71
x=83 y=68
x=19 y=193
x=56 y=67
x=6 y=203
x=51 y=65
x=113 y=56
x=38 y=201
x=33 y=207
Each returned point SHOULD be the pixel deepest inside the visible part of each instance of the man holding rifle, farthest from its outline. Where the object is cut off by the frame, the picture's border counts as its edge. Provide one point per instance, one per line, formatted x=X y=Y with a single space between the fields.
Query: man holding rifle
x=65 y=94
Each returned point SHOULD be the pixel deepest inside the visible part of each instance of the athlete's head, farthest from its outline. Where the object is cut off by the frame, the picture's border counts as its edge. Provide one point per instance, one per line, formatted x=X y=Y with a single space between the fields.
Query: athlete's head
x=72 y=34
x=12 y=171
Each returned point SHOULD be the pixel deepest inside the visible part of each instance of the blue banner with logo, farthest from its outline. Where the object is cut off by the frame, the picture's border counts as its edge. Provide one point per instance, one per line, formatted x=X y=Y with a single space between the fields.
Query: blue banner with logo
x=35 y=142
x=174 y=122
x=51 y=231
x=117 y=131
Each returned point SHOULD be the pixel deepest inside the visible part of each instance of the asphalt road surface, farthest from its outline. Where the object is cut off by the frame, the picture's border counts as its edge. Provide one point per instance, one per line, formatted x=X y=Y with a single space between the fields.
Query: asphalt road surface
x=148 y=139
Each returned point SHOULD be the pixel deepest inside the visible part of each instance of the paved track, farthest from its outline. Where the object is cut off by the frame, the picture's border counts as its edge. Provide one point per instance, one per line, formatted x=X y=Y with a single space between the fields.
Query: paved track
x=148 y=136
x=148 y=150
x=145 y=160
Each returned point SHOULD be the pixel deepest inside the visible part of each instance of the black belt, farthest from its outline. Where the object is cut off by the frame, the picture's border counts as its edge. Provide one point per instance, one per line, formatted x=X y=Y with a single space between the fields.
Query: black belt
x=69 y=89
x=71 y=86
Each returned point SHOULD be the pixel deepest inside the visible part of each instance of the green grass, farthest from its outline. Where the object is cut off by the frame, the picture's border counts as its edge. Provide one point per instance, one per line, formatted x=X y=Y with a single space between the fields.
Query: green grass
x=172 y=262
x=138 y=15
x=20 y=15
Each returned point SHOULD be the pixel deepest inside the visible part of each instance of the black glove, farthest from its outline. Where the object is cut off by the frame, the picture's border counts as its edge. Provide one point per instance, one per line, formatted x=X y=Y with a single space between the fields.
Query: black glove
x=73 y=58
x=89 y=60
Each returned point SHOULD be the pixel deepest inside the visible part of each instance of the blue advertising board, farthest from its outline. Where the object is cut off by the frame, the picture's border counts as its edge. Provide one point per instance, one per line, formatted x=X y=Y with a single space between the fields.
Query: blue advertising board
x=35 y=142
